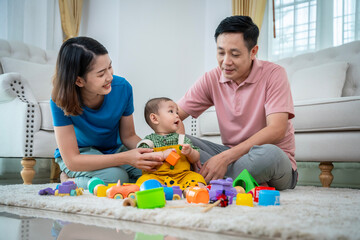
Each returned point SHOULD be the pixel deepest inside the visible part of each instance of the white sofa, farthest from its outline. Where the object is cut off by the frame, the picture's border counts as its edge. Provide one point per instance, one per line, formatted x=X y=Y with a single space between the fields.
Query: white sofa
x=26 y=128
x=326 y=91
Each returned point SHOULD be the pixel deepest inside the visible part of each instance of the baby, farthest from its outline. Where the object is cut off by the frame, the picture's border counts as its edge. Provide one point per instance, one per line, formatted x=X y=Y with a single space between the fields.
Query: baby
x=161 y=114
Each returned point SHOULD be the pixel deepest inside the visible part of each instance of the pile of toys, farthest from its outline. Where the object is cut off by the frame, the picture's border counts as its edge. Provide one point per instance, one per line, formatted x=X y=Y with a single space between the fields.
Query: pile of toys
x=244 y=191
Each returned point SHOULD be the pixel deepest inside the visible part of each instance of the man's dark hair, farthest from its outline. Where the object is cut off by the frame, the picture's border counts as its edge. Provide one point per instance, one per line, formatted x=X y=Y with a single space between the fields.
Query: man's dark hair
x=239 y=24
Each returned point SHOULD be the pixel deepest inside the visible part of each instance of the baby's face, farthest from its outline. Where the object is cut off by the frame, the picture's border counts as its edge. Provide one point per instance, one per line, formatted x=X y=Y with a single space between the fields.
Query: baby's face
x=169 y=119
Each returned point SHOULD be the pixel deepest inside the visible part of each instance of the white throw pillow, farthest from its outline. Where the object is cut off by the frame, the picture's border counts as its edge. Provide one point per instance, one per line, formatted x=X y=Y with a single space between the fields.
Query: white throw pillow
x=323 y=81
x=38 y=75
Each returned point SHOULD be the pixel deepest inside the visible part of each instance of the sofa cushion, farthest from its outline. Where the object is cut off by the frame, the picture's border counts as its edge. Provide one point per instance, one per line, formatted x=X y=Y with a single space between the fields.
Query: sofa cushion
x=323 y=81
x=46 y=117
x=336 y=114
x=38 y=75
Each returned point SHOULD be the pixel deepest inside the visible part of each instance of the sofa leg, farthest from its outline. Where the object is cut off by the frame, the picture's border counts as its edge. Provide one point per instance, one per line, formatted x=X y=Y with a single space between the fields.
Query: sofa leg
x=326 y=177
x=54 y=172
x=28 y=171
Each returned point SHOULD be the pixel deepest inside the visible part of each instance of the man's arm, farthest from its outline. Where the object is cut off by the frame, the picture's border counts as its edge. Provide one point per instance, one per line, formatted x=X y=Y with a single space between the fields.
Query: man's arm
x=275 y=130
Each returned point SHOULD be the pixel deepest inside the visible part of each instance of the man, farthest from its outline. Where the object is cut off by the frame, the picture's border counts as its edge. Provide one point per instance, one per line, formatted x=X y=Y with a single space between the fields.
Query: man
x=254 y=106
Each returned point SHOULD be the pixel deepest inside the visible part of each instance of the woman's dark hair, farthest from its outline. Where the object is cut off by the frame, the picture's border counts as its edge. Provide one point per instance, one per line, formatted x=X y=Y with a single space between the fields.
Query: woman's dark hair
x=75 y=59
x=239 y=24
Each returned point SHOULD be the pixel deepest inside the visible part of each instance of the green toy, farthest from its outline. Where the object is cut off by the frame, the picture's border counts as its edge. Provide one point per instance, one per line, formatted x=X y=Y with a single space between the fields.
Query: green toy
x=152 y=198
x=246 y=181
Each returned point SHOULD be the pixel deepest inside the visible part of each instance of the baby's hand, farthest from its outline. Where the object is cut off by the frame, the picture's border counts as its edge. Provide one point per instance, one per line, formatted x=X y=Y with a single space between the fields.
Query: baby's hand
x=167 y=152
x=186 y=149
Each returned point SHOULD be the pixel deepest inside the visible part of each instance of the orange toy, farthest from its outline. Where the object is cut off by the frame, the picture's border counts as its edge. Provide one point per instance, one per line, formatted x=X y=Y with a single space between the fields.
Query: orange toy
x=173 y=158
x=121 y=192
x=197 y=195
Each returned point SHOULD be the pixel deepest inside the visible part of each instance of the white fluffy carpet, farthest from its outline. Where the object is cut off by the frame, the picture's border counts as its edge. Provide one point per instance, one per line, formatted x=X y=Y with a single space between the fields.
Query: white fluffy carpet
x=305 y=212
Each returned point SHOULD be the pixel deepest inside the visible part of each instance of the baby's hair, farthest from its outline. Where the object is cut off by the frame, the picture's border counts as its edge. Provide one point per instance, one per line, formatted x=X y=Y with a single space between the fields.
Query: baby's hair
x=152 y=106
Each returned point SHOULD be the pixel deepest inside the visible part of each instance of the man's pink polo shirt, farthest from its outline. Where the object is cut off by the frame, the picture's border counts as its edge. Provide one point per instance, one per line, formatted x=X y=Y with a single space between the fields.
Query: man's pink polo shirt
x=242 y=109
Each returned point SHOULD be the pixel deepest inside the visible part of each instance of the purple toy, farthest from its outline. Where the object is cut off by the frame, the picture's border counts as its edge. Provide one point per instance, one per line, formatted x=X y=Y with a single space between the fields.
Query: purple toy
x=220 y=185
x=47 y=191
x=64 y=189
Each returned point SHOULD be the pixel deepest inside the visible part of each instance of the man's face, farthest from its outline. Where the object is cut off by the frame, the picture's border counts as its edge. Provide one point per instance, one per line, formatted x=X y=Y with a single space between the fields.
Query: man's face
x=233 y=56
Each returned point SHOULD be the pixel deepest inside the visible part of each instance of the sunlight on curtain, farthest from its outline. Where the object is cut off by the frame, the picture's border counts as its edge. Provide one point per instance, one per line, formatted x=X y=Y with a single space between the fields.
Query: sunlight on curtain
x=252 y=8
x=70 y=12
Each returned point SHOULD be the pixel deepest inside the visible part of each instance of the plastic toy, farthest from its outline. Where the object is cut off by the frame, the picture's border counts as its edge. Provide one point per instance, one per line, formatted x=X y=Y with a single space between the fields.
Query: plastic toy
x=172 y=193
x=222 y=186
x=97 y=187
x=173 y=158
x=224 y=199
x=93 y=182
x=47 y=191
x=152 y=198
x=269 y=197
x=246 y=181
x=121 y=192
x=244 y=199
x=197 y=195
x=169 y=193
x=177 y=193
x=150 y=184
x=68 y=188
x=257 y=189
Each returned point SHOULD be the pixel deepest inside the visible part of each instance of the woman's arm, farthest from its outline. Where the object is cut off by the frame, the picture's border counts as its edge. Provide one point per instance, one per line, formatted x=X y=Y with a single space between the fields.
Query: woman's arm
x=66 y=141
x=128 y=135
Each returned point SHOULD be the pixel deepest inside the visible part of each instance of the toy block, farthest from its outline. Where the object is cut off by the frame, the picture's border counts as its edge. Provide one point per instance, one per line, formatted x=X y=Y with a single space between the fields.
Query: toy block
x=246 y=181
x=197 y=195
x=244 y=199
x=269 y=197
x=173 y=158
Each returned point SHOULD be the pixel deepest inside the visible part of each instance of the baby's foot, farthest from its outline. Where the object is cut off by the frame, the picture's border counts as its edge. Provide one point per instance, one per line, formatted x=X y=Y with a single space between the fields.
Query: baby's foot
x=64 y=177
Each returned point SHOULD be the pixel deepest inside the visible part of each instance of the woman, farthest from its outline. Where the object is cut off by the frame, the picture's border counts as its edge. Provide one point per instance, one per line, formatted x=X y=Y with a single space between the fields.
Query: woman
x=92 y=113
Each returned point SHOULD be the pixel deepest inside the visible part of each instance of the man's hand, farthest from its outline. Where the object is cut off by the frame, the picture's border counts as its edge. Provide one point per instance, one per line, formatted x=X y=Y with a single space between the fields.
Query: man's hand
x=214 y=168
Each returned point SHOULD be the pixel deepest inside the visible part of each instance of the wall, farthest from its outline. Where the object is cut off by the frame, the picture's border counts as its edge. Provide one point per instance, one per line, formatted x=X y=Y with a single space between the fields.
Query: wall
x=161 y=46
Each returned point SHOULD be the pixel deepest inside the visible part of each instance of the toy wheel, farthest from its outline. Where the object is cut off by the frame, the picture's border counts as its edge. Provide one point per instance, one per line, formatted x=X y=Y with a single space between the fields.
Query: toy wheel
x=56 y=193
x=132 y=195
x=118 y=196
x=176 y=197
x=73 y=192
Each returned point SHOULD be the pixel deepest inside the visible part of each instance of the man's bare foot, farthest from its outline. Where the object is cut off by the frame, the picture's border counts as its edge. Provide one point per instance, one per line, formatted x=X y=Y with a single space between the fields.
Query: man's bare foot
x=64 y=177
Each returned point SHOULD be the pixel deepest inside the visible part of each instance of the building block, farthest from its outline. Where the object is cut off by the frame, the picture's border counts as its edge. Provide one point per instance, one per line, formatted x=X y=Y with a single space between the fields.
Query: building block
x=257 y=189
x=172 y=158
x=269 y=197
x=246 y=181
x=152 y=198
x=197 y=195
x=244 y=199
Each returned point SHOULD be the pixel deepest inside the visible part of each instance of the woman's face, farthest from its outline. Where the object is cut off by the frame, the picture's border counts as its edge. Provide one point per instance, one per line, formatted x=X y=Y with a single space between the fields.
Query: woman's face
x=98 y=80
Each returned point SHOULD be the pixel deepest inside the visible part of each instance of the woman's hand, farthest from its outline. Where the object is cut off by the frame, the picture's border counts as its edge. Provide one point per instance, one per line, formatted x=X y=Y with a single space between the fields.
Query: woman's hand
x=145 y=159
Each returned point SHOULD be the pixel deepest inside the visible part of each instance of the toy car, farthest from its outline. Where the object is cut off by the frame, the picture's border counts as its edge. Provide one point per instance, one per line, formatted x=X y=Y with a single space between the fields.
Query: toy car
x=121 y=192
x=68 y=188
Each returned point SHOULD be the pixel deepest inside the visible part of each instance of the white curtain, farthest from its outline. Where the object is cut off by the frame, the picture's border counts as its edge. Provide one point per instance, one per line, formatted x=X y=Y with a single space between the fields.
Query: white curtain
x=34 y=22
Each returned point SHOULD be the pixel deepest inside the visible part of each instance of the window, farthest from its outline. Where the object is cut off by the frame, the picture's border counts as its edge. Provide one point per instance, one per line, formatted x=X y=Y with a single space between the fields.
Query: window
x=309 y=25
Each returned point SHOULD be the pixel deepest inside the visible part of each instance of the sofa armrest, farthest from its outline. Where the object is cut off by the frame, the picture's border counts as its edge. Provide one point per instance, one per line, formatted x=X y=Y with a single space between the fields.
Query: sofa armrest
x=6 y=93
x=20 y=116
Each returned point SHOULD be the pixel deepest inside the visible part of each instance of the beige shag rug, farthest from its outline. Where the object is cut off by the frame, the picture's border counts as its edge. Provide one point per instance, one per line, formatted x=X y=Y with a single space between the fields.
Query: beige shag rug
x=304 y=213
